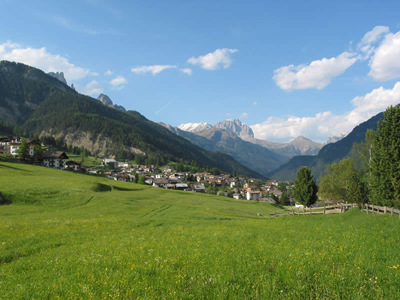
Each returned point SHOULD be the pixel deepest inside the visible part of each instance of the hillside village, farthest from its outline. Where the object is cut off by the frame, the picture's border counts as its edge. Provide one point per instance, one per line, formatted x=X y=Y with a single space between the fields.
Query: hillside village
x=159 y=177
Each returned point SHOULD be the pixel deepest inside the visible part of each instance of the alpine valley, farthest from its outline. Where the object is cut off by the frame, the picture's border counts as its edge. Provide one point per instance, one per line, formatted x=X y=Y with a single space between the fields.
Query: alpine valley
x=43 y=104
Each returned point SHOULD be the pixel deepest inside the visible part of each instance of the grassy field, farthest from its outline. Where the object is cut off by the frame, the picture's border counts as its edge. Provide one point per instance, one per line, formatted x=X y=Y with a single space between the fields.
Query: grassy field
x=89 y=161
x=74 y=236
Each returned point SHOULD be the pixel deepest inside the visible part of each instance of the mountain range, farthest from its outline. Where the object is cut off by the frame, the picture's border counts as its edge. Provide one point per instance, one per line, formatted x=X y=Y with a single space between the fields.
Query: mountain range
x=44 y=105
x=237 y=139
x=329 y=154
x=251 y=155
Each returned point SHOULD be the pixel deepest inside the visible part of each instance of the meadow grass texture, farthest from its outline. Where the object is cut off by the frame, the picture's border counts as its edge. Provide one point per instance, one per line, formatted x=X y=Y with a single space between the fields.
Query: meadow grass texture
x=74 y=236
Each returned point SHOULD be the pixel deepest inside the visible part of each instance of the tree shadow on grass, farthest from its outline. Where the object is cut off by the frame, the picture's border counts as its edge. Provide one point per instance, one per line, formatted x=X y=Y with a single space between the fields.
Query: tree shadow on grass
x=14 y=168
x=5 y=199
x=126 y=189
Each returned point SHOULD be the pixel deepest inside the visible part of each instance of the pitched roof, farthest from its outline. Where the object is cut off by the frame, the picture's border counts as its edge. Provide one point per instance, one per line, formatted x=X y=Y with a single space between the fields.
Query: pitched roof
x=55 y=154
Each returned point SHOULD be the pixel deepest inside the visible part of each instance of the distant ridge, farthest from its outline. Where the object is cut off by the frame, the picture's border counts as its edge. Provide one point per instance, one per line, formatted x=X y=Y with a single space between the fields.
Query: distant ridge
x=253 y=156
x=299 y=146
x=235 y=127
x=194 y=127
x=329 y=154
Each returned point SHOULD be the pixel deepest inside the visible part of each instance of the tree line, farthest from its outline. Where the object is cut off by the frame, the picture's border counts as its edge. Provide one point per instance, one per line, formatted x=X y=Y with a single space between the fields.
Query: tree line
x=371 y=174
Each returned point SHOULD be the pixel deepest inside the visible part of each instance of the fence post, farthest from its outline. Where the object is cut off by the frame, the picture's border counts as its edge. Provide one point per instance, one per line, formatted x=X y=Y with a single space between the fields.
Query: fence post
x=373 y=210
x=366 y=205
x=310 y=211
x=304 y=210
x=385 y=210
x=324 y=209
x=392 y=211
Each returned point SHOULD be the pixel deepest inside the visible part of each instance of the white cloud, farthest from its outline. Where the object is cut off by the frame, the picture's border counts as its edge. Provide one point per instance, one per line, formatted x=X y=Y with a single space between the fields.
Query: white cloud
x=385 y=63
x=243 y=115
x=213 y=61
x=374 y=35
x=118 y=82
x=318 y=74
x=370 y=38
x=187 y=71
x=91 y=89
x=325 y=124
x=108 y=72
x=153 y=69
x=255 y=103
x=43 y=60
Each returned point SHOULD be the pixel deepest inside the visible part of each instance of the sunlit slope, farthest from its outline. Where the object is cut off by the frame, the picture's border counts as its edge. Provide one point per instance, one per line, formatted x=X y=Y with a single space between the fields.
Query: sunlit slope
x=73 y=236
x=39 y=189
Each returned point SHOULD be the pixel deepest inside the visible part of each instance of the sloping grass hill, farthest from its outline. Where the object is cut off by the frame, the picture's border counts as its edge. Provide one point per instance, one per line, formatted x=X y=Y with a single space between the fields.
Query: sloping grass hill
x=74 y=236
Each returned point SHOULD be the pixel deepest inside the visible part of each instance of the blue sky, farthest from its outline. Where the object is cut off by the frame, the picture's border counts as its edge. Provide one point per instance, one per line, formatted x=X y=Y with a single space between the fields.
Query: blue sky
x=286 y=68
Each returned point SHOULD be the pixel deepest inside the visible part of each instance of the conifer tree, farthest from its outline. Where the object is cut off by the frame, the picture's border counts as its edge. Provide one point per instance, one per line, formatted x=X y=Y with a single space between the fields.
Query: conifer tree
x=306 y=189
x=385 y=164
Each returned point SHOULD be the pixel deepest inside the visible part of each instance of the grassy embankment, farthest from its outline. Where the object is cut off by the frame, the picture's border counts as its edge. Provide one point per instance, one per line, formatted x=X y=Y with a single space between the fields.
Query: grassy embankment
x=76 y=236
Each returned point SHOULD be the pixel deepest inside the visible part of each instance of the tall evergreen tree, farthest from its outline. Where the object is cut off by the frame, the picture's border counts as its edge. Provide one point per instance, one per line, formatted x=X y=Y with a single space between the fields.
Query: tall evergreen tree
x=385 y=163
x=306 y=189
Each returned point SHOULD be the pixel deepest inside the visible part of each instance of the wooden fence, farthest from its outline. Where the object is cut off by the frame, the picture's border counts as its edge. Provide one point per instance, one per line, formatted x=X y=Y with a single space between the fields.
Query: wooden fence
x=375 y=209
x=323 y=210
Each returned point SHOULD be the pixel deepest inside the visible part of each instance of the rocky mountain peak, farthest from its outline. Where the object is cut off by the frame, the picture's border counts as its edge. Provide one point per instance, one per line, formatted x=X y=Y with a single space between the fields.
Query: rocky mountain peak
x=236 y=127
x=108 y=102
x=105 y=100
x=301 y=138
x=59 y=76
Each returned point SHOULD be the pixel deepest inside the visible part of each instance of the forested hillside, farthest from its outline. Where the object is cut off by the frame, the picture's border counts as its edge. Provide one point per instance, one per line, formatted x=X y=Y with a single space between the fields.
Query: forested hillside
x=23 y=89
x=46 y=106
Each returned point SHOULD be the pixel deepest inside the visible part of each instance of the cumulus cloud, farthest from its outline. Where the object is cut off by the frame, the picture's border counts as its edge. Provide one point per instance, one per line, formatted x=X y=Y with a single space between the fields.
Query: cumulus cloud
x=118 y=83
x=318 y=74
x=213 y=61
x=187 y=71
x=108 y=72
x=325 y=124
x=153 y=69
x=385 y=63
x=91 y=89
x=43 y=60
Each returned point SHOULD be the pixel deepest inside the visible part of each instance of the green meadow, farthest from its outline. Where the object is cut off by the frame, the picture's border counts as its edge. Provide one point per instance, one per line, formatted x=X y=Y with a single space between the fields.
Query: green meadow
x=89 y=161
x=75 y=236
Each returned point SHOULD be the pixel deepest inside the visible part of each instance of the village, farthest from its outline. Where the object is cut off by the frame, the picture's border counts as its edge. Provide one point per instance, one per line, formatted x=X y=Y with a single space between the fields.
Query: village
x=165 y=177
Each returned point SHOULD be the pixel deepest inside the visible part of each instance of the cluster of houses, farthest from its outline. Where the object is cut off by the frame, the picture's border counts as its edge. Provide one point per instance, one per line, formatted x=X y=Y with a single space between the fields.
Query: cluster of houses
x=167 y=178
x=9 y=145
